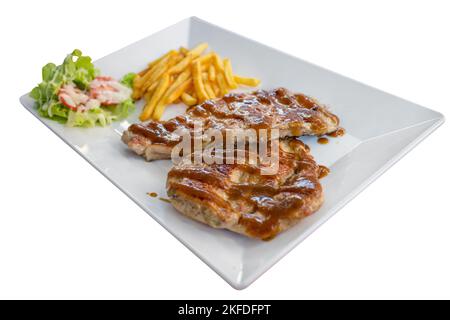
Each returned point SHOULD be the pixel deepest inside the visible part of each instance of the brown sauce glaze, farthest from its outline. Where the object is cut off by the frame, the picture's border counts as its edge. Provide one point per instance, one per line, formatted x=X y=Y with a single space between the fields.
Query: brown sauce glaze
x=196 y=189
x=258 y=110
x=306 y=101
x=296 y=141
x=155 y=132
x=177 y=123
x=203 y=174
x=296 y=129
x=270 y=199
x=322 y=140
x=267 y=224
x=152 y=194
x=323 y=171
x=338 y=133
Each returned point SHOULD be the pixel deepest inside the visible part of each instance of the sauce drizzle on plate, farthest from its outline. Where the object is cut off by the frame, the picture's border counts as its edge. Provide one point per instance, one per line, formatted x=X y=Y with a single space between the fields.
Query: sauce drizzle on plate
x=338 y=133
x=322 y=140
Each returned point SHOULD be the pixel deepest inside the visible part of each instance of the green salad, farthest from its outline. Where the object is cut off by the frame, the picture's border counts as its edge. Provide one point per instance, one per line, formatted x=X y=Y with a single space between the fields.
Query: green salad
x=75 y=94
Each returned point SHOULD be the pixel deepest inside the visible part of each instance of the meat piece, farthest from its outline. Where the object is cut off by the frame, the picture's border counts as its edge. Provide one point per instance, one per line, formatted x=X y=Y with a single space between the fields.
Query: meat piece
x=239 y=198
x=293 y=114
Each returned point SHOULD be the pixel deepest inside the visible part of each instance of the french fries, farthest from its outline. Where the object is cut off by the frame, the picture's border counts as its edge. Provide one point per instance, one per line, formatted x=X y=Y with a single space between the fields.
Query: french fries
x=188 y=99
x=215 y=88
x=198 y=82
x=223 y=88
x=218 y=63
x=182 y=77
x=150 y=106
x=229 y=74
x=198 y=50
x=188 y=76
x=184 y=51
x=177 y=92
x=209 y=90
x=212 y=73
x=181 y=66
x=251 y=82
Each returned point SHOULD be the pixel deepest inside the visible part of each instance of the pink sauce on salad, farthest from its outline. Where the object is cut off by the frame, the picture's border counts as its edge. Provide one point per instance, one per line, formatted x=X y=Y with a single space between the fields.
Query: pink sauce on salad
x=103 y=91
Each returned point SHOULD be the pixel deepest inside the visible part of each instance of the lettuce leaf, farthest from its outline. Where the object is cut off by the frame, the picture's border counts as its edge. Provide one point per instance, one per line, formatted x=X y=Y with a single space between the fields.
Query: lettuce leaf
x=122 y=110
x=128 y=79
x=89 y=119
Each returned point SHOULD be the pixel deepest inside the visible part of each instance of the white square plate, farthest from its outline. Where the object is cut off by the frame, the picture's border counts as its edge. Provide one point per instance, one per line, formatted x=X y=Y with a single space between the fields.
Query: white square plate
x=380 y=128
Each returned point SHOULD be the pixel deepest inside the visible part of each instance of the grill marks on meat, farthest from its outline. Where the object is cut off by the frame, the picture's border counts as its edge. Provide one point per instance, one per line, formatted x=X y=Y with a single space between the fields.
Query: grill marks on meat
x=292 y=114
x=239 y=198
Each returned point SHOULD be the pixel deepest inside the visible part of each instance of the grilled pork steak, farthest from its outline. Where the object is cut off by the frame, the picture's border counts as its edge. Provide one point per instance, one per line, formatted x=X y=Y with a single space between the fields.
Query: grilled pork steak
x=293 y=114
x=239 y=198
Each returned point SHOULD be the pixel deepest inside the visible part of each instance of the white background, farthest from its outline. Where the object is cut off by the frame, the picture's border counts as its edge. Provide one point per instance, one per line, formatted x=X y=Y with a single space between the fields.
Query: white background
x=67 y=232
